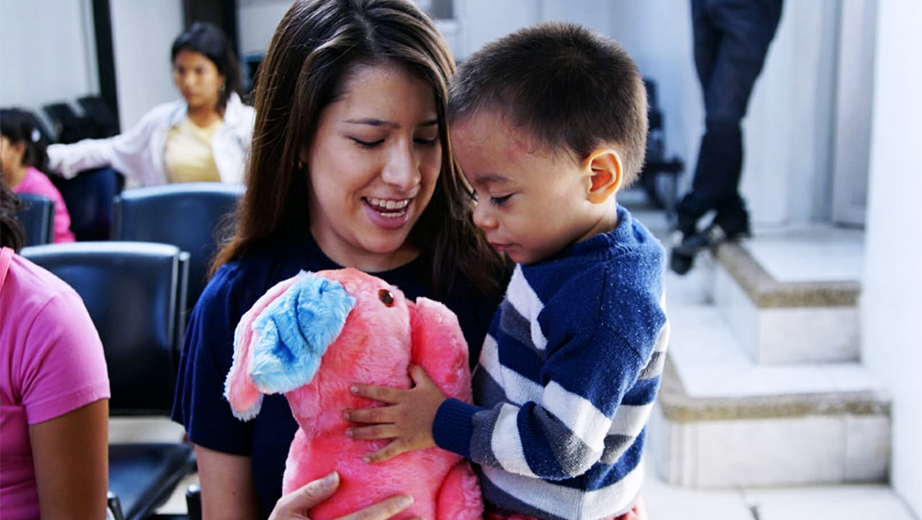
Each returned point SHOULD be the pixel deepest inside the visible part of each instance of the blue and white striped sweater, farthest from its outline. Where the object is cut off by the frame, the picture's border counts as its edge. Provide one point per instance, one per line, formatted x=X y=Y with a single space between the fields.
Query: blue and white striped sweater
x=567 y=378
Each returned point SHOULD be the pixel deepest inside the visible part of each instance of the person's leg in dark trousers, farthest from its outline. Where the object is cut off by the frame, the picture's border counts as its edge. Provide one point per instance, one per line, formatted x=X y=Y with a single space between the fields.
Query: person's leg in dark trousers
x=731 y=39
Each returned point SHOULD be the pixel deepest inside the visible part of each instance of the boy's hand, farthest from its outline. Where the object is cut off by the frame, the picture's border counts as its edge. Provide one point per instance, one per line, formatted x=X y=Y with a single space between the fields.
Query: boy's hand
x=408 y=419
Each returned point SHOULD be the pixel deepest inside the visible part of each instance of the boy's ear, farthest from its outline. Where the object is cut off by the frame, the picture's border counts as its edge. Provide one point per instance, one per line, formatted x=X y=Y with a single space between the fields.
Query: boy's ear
x=605 y=177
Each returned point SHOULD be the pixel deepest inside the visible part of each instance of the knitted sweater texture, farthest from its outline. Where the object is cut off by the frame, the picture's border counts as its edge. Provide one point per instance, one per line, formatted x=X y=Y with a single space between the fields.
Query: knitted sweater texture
x=567 y=378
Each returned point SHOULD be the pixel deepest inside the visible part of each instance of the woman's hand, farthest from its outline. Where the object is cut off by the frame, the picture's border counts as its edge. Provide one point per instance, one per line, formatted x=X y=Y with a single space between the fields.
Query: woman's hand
x=294 y=506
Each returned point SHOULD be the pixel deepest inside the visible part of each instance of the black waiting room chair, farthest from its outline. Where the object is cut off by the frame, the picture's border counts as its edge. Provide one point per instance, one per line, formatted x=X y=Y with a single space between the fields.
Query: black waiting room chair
x=89 y=198
x=133 y=292
x=36 y=214
x=188 y=215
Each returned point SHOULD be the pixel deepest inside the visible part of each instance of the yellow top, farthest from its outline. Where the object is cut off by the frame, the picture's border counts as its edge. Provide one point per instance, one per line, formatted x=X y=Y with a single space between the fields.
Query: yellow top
x=188 y=156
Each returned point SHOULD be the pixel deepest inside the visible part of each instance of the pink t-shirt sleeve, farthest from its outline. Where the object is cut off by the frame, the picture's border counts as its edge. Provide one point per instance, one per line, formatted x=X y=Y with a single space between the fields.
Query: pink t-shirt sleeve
x=66 y=369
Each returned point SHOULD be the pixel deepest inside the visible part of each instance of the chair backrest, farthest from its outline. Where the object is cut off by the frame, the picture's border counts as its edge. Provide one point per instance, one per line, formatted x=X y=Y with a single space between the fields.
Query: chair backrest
x=36 y=214
x=132 y=292
x=188 y=215
x=89 y=197
x=69 y=125
x=101 y=114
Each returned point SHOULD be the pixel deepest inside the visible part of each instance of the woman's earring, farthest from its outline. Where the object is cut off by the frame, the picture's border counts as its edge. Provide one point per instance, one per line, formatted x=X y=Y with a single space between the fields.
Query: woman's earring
x=223 y=87
x=300 y=165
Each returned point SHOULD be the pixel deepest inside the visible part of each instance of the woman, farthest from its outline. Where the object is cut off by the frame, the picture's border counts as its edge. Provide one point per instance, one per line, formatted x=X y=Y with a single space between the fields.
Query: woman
x=54 y=391
x=203 y=137
x=350 y=167
x=22 y=155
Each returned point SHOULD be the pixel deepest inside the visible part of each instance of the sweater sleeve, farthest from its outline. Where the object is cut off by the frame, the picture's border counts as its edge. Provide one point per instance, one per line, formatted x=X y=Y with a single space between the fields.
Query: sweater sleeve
x=568 y=394
x=564 y=432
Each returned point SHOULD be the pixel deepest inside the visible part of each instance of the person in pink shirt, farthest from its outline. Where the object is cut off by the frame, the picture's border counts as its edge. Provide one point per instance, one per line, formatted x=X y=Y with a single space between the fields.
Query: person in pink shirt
x=54 y=391
x=22 y=154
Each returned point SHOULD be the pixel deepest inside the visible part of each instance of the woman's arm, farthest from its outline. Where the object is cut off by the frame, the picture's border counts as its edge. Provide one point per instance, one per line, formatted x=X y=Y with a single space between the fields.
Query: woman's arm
x=228 y=492
x=71 y=459
x=128 y=152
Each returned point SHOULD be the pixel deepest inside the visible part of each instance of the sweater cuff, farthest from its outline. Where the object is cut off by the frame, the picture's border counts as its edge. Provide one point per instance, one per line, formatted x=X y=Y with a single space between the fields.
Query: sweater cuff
x=453 y=426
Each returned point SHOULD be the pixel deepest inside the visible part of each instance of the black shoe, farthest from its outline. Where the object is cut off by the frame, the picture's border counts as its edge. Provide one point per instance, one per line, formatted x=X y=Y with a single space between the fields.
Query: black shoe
x=679 y=262
x=711 y=237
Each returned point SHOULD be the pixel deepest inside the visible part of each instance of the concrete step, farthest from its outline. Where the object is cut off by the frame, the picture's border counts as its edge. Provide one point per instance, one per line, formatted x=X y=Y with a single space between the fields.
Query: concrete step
x=791 y=296
x=724 y=420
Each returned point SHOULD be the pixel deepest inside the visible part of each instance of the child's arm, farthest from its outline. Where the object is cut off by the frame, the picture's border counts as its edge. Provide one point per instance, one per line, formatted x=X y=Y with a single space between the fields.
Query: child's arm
x=558 y=435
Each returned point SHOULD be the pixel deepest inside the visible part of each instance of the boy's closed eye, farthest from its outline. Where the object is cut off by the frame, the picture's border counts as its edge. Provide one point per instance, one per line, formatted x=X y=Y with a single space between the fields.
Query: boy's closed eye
x=496 y=200
x=500 y=199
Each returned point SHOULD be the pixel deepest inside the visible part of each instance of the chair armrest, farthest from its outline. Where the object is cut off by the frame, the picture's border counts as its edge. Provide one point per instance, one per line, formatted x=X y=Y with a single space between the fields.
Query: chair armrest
x=113 y=507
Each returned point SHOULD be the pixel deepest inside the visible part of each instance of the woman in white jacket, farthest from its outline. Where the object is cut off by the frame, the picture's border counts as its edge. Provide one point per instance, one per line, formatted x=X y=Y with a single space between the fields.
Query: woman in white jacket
x=203 y=137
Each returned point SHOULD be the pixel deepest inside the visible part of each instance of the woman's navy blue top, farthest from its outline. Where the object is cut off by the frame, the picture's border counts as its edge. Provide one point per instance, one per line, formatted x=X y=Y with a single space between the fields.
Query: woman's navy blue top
x=207 y=353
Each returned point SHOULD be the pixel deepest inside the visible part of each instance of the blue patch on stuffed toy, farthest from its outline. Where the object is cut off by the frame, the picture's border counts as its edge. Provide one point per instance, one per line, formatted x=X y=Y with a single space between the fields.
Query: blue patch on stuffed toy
x=294 y=331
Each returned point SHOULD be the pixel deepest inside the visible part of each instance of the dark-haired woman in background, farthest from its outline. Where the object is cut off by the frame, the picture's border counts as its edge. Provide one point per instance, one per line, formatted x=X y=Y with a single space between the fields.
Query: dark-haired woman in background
x=22 y=155
x=203 y=137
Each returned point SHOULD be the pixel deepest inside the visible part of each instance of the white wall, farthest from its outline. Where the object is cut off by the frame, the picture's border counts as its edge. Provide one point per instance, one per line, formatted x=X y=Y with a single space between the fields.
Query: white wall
x=142 y=34
x=48 y=52
x=256 y=21
x=788 y=130
x=854 y=97
x=485 y=20
x=892 y=294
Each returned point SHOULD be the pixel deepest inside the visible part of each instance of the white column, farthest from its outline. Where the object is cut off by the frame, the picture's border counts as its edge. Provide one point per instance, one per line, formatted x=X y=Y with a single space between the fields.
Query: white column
x=892 y=288
x=142 y=34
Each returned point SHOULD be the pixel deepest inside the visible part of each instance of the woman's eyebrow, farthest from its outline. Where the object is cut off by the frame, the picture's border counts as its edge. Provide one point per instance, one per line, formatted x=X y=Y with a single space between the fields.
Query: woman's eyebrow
x=389 y=124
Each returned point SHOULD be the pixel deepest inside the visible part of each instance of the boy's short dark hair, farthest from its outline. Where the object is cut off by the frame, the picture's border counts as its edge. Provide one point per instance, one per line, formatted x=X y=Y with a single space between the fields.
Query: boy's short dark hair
x=571 y=88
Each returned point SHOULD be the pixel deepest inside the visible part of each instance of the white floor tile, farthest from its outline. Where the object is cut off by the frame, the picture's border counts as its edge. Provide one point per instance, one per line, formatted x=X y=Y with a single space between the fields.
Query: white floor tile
x=810 y=253
x=176 y=504
x=839 y=503
x=144 y=429
x=665 y=502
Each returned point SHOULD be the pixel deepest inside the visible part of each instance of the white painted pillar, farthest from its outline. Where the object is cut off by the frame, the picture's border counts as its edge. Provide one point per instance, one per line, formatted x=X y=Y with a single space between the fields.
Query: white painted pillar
x=142 y=34
x=892 y=288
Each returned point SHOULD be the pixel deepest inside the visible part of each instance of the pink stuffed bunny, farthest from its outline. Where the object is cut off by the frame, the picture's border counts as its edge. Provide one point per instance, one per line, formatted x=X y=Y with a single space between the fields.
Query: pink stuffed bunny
x=313 y=335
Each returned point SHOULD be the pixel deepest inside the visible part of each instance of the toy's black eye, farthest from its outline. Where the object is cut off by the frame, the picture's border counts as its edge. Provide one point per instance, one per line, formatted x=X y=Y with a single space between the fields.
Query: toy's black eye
x=385 y=296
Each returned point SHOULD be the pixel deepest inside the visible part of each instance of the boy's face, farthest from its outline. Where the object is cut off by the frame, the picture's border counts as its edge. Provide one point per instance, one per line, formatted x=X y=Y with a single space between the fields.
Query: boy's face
x=530 y=203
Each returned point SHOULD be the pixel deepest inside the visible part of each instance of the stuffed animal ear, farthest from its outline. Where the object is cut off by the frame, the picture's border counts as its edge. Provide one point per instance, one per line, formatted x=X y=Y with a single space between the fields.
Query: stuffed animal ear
x=244 y=398
x=278 y=344
x=440 y=348
x=294 y=331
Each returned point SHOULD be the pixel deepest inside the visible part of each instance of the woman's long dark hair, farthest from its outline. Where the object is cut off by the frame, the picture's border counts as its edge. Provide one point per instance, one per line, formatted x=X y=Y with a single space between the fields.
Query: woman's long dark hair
x=11 y=233
x=18 y=126
x=209 y=40
x=316 y=45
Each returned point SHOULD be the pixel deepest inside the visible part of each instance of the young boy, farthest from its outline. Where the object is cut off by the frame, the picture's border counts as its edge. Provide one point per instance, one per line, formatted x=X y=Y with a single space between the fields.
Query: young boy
x=547 y=124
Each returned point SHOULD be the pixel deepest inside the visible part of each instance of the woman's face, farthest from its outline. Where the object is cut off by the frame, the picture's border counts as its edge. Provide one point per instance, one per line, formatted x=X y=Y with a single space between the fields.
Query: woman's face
x=373 y=166
x=197 y=79
x=10 y=157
